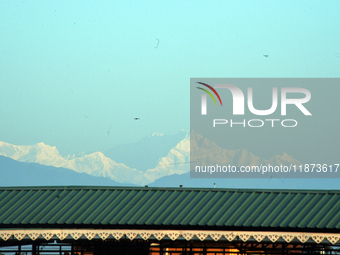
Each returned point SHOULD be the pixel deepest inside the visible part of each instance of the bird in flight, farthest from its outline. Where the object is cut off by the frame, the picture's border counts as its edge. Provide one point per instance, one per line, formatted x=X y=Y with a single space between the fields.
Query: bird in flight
x=266 y=56
x=136 y=118
x=108 y=131
x=157 y=43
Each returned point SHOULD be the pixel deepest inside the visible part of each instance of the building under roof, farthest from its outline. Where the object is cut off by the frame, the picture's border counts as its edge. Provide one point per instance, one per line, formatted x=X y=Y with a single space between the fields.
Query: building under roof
x=135 y=220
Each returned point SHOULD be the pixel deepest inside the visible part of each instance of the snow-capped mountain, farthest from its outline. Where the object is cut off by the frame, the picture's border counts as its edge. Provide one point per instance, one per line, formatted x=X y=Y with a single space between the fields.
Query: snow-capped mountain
x=95 y=164
x=285 y=159
x=208 y=152
x=156 y=134
x=145 y=153
x=157 y=155
x=38 y=153
x=176 y=162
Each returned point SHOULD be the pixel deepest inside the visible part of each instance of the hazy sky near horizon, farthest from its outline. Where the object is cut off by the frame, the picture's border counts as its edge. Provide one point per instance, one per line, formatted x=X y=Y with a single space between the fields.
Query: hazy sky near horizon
x=75 y=74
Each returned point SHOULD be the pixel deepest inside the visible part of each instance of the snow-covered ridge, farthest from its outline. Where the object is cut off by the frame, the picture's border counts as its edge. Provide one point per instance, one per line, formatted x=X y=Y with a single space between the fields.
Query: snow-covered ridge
x=156 y=134
x=95 y=163
x=39 y=153
x=175 y=162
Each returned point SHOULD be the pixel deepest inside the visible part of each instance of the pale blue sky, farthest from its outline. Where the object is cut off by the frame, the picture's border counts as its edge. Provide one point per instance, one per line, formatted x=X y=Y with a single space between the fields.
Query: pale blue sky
x=70 y=70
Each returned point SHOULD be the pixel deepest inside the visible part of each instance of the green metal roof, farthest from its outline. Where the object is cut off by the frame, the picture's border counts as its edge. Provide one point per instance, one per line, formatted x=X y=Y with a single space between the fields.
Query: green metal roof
x=167 y=208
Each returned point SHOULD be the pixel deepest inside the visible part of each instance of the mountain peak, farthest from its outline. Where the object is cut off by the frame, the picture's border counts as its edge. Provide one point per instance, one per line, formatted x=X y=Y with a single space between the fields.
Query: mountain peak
x=41 y=144
x=156 y=134
x=96 y=154
x=45 y=147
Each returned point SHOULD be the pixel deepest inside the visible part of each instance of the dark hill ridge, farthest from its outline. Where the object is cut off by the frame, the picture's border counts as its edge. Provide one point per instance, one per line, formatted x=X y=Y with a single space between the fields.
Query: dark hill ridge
x=15 y=173
x=247 y=183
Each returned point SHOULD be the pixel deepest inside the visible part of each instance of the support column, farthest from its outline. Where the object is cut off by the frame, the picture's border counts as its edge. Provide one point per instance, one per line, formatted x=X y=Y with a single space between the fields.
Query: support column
x=34 y=249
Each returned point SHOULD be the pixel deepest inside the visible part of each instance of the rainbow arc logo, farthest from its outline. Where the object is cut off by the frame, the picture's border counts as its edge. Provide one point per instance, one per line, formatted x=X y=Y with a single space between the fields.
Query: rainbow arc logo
x=209 y=93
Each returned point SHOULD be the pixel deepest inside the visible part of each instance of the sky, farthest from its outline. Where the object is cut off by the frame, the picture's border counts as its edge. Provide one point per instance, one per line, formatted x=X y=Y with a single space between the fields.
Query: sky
x=75 y=74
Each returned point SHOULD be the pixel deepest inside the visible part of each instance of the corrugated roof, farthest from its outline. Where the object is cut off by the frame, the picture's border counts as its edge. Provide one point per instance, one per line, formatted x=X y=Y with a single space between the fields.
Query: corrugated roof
x=185 y=208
